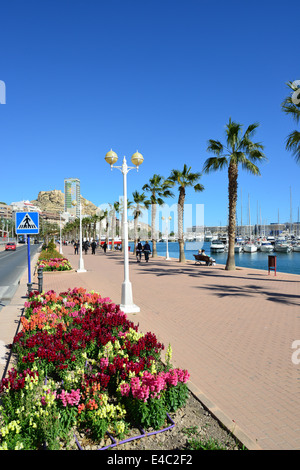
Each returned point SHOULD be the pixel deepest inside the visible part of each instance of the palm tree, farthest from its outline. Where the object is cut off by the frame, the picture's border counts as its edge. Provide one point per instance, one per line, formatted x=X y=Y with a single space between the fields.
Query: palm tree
x=239 y=149
x=184 y=179
x=159 y=189
x=115 y=208
x=291 y=106
x=140 y=204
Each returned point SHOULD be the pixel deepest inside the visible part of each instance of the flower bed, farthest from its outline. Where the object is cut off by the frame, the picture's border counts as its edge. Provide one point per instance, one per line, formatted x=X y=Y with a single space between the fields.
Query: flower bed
x=82 y=366
x=54 y=264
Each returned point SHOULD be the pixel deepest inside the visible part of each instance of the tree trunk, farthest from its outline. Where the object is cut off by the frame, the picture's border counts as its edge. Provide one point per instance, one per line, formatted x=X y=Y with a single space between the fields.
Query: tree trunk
x=232 y=196
x=113 y=222
x=180 y=224
x=135 y=234
x=153 y=216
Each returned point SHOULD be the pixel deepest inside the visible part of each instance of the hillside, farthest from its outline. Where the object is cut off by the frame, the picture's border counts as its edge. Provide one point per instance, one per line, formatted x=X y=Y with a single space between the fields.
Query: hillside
x=53 y=201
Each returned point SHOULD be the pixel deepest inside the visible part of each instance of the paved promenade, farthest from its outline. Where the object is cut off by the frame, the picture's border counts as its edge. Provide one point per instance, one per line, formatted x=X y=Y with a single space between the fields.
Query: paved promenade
x=233 y=331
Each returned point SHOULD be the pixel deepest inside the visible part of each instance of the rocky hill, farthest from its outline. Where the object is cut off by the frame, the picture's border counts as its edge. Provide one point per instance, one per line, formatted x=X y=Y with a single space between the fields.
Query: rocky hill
x=53 y=201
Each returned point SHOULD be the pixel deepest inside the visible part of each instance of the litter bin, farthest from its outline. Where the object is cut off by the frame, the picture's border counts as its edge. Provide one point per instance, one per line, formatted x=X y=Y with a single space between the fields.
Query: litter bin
x=272 y=263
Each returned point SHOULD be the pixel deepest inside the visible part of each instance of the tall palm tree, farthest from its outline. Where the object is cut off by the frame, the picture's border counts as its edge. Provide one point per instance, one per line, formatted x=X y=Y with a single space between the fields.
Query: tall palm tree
x=115 y=208
x=184 y=179
x=140 y=200
x=239 y=149
x=159 y=189
x=291 y=106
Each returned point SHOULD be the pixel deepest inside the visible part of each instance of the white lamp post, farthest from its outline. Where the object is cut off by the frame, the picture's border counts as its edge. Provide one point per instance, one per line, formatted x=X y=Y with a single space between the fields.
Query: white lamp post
x=167 y=236
x=81 y=263
x=137 y=159
x=60 y=244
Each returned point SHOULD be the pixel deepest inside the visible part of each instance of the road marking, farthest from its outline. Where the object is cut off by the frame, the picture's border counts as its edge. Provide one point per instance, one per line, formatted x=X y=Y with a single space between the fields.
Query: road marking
x=3 y=289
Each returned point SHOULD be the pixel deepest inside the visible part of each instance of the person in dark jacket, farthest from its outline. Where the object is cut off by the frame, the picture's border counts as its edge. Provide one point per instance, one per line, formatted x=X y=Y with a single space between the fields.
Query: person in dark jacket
x=147 y=251
x=104 y=246
x=93 y=245
x=138 y=249
x=85 y=246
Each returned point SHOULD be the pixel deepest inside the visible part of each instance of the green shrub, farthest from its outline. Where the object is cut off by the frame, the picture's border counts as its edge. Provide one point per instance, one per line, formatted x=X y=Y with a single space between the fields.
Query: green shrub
x=49 y=254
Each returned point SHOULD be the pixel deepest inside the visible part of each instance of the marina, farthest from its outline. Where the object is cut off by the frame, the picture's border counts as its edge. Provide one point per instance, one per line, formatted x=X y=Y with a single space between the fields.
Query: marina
x=288 y=261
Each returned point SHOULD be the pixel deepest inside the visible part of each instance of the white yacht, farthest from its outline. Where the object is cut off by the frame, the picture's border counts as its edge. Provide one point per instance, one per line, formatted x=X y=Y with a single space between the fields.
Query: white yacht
x=217 y=246
x=282 y=246
x=271 y=239
x=208 y=236
x=250 y=248
x=296 y=247
x=238 y=248
x=266 y=246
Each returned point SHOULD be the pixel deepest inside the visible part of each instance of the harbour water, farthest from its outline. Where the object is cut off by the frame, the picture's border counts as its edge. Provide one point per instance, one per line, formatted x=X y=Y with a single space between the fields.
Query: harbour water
x=286 y=262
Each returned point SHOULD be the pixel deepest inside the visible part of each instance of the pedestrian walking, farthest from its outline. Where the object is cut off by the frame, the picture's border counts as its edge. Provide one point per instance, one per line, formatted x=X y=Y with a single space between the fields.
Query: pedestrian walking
x=76 y=245
x=147 y=251
x=104 y=246
x=85 y=247
x=138 y=250
x=93 y=245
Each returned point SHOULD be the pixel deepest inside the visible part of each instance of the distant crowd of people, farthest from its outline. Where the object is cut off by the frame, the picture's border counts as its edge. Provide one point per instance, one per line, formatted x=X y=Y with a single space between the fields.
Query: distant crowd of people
x=140 y=249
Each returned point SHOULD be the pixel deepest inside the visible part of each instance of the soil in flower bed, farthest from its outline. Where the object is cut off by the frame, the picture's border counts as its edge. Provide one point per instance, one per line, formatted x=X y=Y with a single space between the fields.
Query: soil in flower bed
x=192 y=421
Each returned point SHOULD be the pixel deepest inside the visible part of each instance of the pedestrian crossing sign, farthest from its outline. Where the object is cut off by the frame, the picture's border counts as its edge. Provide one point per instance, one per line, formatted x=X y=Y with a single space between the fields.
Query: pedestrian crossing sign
x=27 y=223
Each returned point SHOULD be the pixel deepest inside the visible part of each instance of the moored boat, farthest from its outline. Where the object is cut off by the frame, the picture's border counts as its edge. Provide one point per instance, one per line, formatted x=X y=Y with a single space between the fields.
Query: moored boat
x=282 y=246
x=217 y=246
x=250 y=248
x=266 y=247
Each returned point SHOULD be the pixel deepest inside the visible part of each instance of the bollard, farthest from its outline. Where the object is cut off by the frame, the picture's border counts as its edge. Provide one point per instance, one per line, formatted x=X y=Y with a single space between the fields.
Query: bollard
x=40 y=279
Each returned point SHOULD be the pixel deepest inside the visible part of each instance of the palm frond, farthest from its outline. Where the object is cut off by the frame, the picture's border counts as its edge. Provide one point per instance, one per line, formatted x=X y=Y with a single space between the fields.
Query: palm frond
x=256 y=155
x=215 y=163
x=251 y=130
x=233 y=131
x=199 y=187
x=293 y=144
x=250 y=167
x=215 y=146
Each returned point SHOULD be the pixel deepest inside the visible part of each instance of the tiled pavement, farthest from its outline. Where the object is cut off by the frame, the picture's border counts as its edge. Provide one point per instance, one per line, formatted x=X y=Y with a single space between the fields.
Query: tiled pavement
x=233 y=331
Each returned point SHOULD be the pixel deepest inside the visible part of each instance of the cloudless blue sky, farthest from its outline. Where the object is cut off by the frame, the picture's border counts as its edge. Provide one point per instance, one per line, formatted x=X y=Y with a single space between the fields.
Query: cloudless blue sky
x=162 y=77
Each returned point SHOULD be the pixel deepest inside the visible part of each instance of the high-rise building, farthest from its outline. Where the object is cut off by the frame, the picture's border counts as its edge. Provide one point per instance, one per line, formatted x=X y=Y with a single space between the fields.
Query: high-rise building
x=72 y=193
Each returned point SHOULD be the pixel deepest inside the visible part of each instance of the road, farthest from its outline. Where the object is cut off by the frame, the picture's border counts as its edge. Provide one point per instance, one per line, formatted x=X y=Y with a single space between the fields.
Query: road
x=12 y=266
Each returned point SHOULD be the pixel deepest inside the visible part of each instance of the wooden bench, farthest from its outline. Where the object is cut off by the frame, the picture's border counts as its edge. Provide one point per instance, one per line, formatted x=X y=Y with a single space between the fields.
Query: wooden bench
x=206 y=259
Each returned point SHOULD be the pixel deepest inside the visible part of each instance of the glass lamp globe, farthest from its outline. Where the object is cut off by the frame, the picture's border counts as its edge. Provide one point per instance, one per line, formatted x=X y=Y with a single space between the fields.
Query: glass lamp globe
x=137 y=159
x=111 y=157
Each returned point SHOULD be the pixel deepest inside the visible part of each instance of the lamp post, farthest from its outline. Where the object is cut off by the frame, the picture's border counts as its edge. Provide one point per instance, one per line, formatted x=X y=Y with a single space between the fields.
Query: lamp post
x=81 y=263
x=60 y=244
x=137 y=159
x=167 y=236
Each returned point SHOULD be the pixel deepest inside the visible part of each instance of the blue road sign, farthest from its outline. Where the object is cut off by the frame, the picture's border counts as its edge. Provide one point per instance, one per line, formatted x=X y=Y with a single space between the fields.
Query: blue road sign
x=27 y=223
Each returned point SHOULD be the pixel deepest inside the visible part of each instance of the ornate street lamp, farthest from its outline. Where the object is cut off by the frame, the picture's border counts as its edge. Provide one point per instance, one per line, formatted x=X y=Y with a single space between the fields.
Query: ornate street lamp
x=81 y=263
x=137 y=159
x=60 y=241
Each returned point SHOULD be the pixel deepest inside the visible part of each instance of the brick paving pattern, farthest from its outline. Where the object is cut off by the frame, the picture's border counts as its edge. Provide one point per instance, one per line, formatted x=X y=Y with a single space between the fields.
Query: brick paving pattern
x=233 y=331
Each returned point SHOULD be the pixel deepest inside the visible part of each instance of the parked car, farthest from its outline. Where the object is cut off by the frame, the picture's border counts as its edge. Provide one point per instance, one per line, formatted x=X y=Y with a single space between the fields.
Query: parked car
x=10 y=246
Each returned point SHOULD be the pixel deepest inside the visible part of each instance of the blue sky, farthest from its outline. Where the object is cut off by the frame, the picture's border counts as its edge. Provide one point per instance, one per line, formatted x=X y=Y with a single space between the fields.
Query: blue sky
x=162 y=77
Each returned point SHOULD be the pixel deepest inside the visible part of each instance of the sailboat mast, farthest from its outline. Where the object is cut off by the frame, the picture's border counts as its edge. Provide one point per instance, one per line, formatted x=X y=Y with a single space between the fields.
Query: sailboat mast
x=291 y=212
